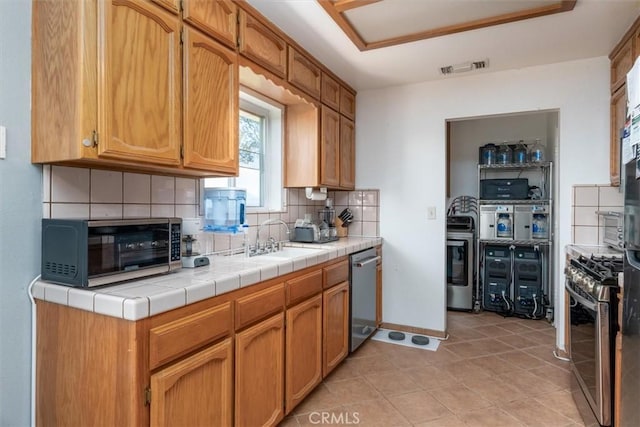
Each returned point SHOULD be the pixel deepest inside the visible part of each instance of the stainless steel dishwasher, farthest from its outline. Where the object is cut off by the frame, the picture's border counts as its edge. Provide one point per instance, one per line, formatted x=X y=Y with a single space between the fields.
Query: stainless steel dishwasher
x=362 y=299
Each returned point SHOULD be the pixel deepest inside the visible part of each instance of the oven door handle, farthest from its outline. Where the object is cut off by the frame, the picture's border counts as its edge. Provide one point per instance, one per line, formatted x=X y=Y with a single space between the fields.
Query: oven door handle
x=582 y=300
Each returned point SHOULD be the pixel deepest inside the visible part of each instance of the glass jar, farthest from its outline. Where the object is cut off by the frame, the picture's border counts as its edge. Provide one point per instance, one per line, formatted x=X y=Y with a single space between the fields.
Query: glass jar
x=489 y=154
x=536 y=152
x=520 y=153
x=503 y=226
x=503 y=156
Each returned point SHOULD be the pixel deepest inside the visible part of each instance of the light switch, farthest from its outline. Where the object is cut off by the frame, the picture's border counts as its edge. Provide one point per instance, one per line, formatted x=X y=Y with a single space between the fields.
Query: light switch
x=3 y=142
x=431 y=212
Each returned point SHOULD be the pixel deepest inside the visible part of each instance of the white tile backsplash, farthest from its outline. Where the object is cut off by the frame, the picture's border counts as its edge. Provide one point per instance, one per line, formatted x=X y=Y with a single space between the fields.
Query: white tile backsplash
x=46 y=183
x=104 y=210
x=163 y=189
x=136 y=211
x=186 y=191
x=70 y=185
x=587 y=199
x=137 y=188
x=106 y=186
x=186 y=211
x=610 y=196
x=163 y=210
x=69 y=210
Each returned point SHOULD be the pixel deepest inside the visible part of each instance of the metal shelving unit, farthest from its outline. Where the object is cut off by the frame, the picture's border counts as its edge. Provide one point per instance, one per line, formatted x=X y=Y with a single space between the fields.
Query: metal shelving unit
x=540 y=175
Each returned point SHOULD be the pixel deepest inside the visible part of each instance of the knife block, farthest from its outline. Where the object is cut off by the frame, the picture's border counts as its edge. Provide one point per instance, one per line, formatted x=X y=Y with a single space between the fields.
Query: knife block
x=340 y=230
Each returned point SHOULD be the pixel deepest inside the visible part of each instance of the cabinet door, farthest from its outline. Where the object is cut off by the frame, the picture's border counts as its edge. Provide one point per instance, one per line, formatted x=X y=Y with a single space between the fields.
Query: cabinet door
x=196 y=391
x=347 y=154
x=217 y=18
x=258 y=43
x=303 y=352
x=260 y=374
x=330 y=92
x=347 y=103
x=621 y=63
x=210 y=105
x=139 y=83
x=335 y=326
x=378 y=295
x=303 y=73
x=618 y=116
x=330 y=148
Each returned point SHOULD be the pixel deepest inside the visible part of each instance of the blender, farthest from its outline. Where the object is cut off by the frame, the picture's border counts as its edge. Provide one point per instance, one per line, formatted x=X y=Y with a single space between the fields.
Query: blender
x=327 y=221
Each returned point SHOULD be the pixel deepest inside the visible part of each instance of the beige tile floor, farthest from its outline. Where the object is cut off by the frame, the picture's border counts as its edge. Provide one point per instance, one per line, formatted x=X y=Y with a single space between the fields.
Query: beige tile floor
x=491 y=371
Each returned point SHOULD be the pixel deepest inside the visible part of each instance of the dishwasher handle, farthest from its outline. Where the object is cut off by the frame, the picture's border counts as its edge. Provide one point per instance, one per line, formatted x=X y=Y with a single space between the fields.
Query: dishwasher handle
x=367 y=261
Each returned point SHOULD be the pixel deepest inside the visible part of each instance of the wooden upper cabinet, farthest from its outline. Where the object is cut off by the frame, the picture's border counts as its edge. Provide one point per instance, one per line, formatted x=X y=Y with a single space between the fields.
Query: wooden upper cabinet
x=347 y=154
x=621 y=63
x=304 y=73
x=139 y=86
x=196 y=391
x=347 y=103
x=618 y=116
x=330 y=95
x=330 y=148
x=210 y=105
x=262 y=45
x=216 y=18
x=170 y=5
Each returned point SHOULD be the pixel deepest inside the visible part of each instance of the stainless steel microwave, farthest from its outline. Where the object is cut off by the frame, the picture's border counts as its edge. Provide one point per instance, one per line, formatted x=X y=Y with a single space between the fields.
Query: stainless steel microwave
x=86 y=253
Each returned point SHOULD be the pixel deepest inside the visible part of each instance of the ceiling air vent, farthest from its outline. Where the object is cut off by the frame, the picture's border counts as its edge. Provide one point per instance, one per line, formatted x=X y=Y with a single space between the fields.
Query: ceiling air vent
x=464 y=67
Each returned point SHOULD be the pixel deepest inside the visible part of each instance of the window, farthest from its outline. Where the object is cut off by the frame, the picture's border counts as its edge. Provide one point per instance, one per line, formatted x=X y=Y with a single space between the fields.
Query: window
x=260 y=154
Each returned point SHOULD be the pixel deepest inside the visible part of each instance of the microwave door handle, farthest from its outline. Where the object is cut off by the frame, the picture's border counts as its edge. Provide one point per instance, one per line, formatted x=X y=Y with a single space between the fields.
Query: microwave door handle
x=456 y=243
x=582 y=300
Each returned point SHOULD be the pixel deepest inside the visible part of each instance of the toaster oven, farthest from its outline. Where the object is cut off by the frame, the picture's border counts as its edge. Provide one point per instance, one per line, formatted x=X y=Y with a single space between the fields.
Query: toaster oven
x=613 y=229
x=86 y=253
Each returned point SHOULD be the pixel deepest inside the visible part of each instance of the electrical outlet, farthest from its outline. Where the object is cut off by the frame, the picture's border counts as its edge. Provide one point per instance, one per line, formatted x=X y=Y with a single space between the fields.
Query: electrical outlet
x=431 y=212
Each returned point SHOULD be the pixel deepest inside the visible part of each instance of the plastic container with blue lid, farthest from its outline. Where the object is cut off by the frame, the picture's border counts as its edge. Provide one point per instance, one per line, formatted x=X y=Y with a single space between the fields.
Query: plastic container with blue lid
x=224 y=209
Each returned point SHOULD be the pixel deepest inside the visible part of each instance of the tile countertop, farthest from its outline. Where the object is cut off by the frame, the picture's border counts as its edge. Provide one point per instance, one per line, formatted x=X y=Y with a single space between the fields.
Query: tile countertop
x=588 y=250
x=152 y=295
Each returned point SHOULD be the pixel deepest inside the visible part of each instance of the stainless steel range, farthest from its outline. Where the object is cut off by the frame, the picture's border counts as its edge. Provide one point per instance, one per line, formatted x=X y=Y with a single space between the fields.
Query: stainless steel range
x=592 y=284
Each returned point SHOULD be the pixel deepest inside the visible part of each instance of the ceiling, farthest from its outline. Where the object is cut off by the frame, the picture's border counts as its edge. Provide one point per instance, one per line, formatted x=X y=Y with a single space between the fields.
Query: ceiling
x=591 y=29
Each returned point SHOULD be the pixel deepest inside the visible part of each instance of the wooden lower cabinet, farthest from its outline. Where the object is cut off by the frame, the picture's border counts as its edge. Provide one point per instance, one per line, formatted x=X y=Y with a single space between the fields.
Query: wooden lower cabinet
x=335 y=322
x=259 y=375
x=196 y=391
x=303 y=353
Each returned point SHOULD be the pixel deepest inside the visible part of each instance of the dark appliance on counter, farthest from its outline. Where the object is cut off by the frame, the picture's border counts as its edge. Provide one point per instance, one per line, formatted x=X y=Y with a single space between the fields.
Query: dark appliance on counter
x=592 y=285
x=504 y=189
x=86 y=253
x=460 y=262
x=362 y=296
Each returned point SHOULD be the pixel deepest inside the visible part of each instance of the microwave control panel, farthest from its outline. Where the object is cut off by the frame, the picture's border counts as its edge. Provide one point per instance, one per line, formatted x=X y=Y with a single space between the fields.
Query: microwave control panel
x=175 y=242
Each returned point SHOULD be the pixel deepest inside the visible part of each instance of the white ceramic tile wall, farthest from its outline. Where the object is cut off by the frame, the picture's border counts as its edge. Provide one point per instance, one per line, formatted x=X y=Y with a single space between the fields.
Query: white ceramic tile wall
x=586 y=226
x=92 y=193
x=95 y=193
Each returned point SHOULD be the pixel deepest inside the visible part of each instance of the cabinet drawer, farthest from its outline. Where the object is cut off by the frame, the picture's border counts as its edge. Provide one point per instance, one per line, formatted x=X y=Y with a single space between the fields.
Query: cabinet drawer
x=181 y=336
x=336 y=273
x=303 y=287
x=303 y=73
x=261 y=45
x=259 y=305
x=330 y=92
x=347 y=103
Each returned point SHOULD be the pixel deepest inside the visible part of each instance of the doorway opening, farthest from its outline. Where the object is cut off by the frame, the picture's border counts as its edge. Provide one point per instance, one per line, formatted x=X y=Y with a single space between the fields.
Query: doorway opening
x=507 y=203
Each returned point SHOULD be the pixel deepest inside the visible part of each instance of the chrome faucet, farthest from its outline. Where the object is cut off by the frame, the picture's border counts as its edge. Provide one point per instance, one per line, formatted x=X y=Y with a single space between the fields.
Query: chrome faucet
x=271 y=244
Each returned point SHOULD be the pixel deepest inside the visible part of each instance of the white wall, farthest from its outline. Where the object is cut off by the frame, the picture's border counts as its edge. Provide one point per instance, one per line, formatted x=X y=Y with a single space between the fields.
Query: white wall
x=400 y=149
x=20 y=213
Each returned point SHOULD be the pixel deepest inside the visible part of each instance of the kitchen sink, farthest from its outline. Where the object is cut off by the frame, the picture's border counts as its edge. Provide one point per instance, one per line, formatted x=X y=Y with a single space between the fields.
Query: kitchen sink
x=290 y=252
